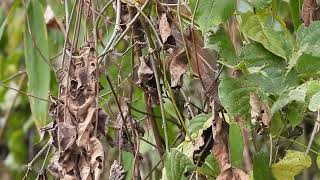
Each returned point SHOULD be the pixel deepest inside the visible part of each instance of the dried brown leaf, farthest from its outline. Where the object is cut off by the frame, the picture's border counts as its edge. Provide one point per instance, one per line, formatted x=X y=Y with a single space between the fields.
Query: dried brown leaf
x=68 y=136
x=97 y=157
x=260 y=111
x=233 y=174
x=178 y=66
x=117 y=172
x=85 y=128
x=164 y=28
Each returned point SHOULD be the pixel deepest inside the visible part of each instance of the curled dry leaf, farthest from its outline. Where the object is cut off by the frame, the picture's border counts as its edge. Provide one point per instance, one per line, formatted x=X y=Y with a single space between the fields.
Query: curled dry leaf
x=220 y=151
x=178 y=66
x=260 y=112
x=147 y=81
x=79 y=153
x=164 y=28
x=117 y=172
x=310 y=11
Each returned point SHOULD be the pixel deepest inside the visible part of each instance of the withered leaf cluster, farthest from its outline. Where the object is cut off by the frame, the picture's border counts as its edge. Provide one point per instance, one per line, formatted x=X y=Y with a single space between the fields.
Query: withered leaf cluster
x=78 y=123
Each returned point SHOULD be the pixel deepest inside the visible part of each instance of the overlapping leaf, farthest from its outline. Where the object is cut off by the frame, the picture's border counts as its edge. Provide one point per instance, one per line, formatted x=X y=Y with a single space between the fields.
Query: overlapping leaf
x=291 y=165
x=261 y=28
x=36 y=53
x=211 y=13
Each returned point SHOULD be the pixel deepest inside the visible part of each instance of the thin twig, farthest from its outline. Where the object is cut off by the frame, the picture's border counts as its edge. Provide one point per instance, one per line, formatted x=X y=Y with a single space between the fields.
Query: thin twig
x=12 y=77
x=8 y=112
x=314 y=132
x=24 y=93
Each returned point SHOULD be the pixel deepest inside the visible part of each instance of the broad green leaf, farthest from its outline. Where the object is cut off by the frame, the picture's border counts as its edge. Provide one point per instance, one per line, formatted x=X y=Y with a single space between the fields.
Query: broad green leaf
x=291 y=165
x=276 y=124
x=308 y=38
x=234 y=96
x=318 y=162
x=210 y=13
x=177 y=164
x=198 y=122
x=222 y=44
x=271 y=69
x=209 y=168
x=315 y=102
x=11 y=12
x=295 y=112
x=236 y=145
x=37 y=69
x=196 y=127
x=260 y=4
x=261 y=169
x=302 y=94
x=308 y=65
x=261 y=28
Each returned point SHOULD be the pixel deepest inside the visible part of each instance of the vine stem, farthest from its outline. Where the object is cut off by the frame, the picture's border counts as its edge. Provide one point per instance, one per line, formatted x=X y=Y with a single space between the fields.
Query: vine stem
x=314 y=132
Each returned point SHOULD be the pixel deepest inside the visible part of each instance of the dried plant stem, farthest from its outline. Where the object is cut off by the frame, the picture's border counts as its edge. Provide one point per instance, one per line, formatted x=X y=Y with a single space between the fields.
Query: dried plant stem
x=29 y=165
x=111 y=46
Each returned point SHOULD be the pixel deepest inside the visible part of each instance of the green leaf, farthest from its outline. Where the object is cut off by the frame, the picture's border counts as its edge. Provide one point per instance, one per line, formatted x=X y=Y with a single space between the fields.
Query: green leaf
x=276 y=124
x=211 y=13
x=261 y=28
x=291 y=165
x=222 y=44
x=210 y=168
x=127 y=160
x=308 y=65
x=315 y=102
x=295 y=112
x=302 y=93
x=197 y=122
x=37 y=69
x=234 y=96
x=260 y=4
x=318 y=162
x=271 y=76
x=236 y=145
x=308 y=38
x=11 y=12
x=176 y=164
x=261 y=169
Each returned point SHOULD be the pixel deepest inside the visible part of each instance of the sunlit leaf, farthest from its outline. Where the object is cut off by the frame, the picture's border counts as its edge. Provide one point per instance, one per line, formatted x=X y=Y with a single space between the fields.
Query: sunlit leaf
x=37 y=69
x=197 y=122
x=291 y=165
x=315 y=102
x=258 y=28
x=260 y=4
x=211 y=13
x=308 y=38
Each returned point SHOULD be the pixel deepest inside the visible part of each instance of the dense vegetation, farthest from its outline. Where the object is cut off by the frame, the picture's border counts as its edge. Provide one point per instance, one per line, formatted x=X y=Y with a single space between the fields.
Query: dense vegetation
x=160 y=89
